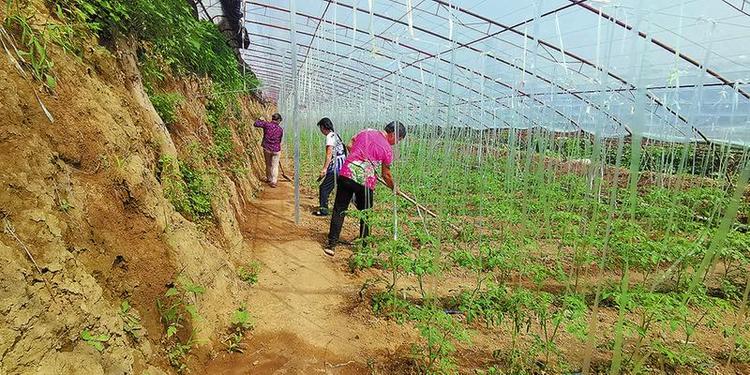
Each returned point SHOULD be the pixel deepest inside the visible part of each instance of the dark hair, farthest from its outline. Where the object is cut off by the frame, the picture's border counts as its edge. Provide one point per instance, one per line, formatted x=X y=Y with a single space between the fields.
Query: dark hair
x=325 y=123
x=276 y=117
x=391 y=128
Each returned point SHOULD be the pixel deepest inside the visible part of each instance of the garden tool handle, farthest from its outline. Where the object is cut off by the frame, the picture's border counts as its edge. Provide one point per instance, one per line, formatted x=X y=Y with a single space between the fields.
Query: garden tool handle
x=281 y=167
x=421 y=207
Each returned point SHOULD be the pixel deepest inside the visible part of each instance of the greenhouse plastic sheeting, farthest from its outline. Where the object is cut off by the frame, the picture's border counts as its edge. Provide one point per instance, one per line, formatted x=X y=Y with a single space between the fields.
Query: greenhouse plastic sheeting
x=674 y=70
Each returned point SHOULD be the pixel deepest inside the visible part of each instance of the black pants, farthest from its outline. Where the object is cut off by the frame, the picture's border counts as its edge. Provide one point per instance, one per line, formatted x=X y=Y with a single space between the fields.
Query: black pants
x=344 y=192
x=326 y=187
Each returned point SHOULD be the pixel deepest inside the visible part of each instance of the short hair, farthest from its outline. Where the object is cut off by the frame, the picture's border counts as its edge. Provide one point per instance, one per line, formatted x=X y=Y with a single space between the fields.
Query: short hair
x=325 y=123
x=391 y=128
x=276 y=117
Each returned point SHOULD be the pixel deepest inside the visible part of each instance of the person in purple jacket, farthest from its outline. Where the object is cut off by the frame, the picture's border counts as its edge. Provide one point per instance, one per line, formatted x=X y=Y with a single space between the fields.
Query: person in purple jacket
x=272 y=135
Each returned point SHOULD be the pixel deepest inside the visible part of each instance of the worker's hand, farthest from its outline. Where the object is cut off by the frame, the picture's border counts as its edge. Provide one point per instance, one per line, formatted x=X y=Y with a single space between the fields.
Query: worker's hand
x=395 y=190
x=263 y=118
x=322 y=173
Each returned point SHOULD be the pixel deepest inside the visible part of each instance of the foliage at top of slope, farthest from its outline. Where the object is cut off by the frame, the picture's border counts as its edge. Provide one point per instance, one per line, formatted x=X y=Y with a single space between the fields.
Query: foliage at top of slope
x=167 y=29
x=186 y=44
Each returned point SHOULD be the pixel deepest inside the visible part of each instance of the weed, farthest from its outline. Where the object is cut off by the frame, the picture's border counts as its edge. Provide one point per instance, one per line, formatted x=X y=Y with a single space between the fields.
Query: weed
x=199 y=187
x=741 y=349
x=131 y=321
x=222 y=134
x=166 y=106
x=96 y=341
x=185 y=44
x=175 y=188
x=32 y=51
x=188 y=189
x=249 y=272
x=179 y=314
x=241 y=323
x=239 y=169
x=223 y=146
x=64 y=206
x=391 y=305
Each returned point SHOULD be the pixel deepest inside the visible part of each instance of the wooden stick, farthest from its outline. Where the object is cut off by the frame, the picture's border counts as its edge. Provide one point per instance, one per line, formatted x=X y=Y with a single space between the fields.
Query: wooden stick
x=421 y=207
x=281 y=168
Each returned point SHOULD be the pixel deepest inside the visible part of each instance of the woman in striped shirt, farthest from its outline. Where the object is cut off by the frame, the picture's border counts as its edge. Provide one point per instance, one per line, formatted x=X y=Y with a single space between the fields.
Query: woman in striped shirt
x=335 y=156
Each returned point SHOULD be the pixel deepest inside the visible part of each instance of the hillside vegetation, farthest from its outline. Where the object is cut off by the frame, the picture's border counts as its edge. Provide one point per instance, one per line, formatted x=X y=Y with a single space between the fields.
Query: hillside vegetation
x=126 y=158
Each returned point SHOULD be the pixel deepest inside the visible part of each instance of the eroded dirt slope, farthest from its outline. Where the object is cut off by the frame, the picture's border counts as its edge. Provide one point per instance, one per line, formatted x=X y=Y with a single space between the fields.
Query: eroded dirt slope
x=82 y=196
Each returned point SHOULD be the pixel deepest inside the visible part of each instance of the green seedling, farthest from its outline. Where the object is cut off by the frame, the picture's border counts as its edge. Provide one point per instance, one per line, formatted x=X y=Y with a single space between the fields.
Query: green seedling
x=131 y=322
x=96 y=341
x=241 y=323
x=249 y=272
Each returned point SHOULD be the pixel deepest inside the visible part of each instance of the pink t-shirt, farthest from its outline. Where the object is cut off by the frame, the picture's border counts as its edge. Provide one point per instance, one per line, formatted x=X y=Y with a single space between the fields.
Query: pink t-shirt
x=370 y=150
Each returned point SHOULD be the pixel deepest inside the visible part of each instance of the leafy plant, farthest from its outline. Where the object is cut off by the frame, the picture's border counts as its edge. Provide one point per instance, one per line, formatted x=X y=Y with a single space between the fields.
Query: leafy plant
x=239 y=169
x=185 y=44
x=166 y=106
x=187 y=188
x=179 y=313
x=34 y=42
x=96 y=341
x=440 y=334
x=241 y=323
x=249 y=272
x=391 y=305
x=223 y=145
x=131 y=321
x=216 y=110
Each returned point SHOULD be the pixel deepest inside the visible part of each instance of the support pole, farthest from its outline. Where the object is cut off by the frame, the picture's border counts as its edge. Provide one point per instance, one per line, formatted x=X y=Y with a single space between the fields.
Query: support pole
x=295 y=103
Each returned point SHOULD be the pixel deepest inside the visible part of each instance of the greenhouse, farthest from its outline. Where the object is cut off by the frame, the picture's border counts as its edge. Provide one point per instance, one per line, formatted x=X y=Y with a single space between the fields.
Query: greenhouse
x=507 y=187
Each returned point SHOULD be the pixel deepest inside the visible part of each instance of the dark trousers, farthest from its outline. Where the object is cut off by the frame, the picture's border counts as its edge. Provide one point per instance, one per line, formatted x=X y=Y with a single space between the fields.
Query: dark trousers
x=326 y=187
x=344 y=192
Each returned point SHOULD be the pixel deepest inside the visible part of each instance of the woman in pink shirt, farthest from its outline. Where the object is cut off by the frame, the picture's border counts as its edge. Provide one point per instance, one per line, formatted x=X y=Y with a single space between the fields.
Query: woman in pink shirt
x=370 y=149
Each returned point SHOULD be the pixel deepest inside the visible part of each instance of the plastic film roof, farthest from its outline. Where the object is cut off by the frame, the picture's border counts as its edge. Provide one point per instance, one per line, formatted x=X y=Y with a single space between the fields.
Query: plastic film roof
x=665 y=69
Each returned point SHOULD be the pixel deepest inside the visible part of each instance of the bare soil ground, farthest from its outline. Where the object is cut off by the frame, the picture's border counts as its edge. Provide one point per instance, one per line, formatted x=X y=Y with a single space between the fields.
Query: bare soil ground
x=308 y=317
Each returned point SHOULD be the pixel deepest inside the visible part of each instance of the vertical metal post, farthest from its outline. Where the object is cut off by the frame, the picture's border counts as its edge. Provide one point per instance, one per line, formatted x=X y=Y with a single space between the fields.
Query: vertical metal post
x=295 y=99
x=242 y=46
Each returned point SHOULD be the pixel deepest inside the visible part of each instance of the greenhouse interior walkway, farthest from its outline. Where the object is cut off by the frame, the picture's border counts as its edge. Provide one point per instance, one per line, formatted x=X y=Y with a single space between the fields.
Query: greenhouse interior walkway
x=306 y=315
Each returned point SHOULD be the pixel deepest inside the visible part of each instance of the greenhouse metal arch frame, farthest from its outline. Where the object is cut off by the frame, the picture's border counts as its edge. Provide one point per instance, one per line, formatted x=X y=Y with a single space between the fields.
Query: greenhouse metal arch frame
x=671 y=115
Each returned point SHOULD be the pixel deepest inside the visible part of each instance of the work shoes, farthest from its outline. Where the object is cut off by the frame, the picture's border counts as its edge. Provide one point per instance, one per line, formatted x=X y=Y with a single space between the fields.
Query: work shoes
x=330 y=248
x=321 y=212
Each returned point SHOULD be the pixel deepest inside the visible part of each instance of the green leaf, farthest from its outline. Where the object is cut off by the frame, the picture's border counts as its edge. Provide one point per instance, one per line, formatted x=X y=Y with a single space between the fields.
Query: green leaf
x=103 y=337
x=171 y=330
x=51 y=82
x=86 y=335
x=171 y=292
x=97 y=345
x=193 y=311
x=95 y=340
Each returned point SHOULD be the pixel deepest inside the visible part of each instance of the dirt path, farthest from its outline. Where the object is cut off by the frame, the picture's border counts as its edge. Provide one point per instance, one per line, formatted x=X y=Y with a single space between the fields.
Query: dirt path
x=308 y=315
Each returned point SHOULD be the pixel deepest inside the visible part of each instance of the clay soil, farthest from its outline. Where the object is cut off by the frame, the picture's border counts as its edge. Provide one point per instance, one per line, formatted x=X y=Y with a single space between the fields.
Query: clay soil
x=308 y=316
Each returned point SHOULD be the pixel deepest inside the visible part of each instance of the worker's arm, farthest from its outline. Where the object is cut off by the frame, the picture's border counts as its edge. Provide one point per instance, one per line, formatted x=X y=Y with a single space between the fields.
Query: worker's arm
x=385 y=171
x=329 y=156
x=259 y=123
